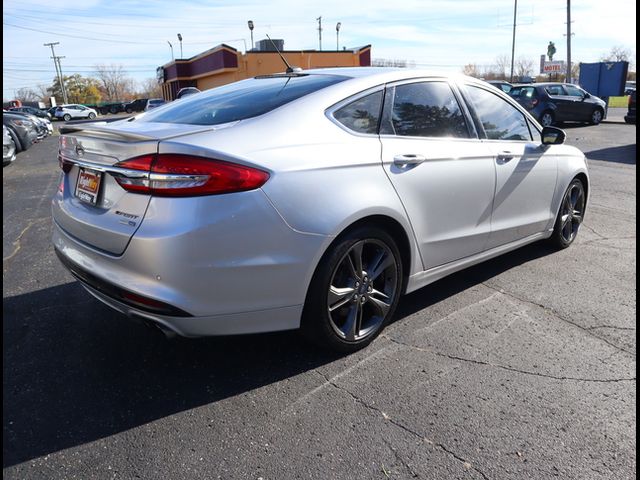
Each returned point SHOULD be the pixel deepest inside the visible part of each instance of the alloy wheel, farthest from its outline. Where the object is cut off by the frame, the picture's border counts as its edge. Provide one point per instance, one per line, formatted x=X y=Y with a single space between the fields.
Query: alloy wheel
x=596 y=117
x=547 y=119
x=572 y=212
x=362 y=290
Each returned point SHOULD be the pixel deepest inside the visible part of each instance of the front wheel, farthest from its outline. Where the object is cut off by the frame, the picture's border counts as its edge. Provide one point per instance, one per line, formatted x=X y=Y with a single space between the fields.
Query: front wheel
x=354 y=291
x=546 y=119
x=596 y=116
x=570 y=215
x=66 y=117
x=92 y=116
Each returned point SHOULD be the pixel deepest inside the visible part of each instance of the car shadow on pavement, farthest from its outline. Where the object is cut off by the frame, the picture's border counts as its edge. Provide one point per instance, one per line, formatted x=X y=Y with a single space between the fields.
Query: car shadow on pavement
x=75 y=371
x=623 y=154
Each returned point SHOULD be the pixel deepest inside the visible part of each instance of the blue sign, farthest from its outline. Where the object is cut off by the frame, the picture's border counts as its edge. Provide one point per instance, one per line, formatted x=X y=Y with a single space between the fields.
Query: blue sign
x=604 y=79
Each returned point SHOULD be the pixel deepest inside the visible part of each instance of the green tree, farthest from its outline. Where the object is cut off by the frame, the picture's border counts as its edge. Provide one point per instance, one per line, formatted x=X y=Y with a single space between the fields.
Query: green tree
x=79 y=89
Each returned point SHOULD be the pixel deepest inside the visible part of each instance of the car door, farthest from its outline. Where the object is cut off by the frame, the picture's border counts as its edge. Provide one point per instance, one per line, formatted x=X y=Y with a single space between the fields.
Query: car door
x=562 y=102
x=580 y=109
x=526 y=171
x=444 y=176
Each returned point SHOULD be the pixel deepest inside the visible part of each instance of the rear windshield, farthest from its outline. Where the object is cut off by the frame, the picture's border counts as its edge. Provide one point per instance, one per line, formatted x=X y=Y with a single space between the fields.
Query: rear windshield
x=523 y=92
x=240 y=100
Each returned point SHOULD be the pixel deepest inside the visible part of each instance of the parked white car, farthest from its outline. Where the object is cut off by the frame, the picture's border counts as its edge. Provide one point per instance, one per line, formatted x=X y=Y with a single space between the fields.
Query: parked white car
x=68 y=112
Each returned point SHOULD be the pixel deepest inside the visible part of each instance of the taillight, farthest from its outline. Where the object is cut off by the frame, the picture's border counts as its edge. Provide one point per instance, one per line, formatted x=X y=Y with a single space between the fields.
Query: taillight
x=174 y=175
x=534 y=102
x=64 y=164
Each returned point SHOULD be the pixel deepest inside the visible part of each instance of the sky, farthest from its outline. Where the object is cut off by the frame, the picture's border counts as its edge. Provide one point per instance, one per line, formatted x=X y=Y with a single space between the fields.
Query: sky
x=440 y=34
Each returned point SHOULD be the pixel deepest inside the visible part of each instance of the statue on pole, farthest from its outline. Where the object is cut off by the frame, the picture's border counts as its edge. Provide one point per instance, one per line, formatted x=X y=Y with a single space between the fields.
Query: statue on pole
x=551 y=51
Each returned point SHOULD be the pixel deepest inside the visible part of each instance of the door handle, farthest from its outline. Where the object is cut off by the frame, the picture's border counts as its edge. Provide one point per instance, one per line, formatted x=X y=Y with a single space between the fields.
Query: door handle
x=408 y=159
x=504 y=157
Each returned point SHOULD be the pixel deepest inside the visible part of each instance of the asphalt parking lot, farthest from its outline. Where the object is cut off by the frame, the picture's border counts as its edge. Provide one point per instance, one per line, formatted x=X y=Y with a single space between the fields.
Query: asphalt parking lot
x=523 y=367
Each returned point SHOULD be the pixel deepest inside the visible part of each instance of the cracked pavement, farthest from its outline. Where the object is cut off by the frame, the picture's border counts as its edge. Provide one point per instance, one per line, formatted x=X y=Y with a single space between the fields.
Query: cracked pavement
x=521 y=367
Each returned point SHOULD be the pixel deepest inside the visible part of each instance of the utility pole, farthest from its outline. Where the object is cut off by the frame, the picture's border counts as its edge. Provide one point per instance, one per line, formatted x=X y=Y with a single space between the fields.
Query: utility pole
x=56 y=64
x=338 y=25
x=568 y=76
x=513 y=42
x=319 y=19
x=64 y=88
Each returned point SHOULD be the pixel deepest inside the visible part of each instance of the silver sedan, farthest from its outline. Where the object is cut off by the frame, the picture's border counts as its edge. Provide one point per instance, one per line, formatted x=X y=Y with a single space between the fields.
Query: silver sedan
x=308 y=200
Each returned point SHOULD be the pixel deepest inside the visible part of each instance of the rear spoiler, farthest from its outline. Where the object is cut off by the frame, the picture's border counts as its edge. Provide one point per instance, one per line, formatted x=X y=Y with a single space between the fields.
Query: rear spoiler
x=95 y=130
x=103 y=130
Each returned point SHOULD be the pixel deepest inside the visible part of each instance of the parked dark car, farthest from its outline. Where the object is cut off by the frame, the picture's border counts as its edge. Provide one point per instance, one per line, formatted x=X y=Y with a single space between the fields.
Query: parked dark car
x=33 y=111
x=43 y=125
x=8 y=147
x=186 y=91
x=137 y=105
x=559 y=102
x=501 y=84
x=630 y=117
x=21 y=128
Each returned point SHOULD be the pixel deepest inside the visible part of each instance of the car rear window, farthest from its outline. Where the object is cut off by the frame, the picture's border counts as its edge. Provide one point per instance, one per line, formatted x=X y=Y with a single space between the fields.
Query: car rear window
x=241 y=100
x=523 y=92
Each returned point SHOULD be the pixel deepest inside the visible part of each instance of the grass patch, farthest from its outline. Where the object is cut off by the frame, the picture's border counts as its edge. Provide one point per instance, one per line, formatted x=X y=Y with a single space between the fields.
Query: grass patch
x=618 y=101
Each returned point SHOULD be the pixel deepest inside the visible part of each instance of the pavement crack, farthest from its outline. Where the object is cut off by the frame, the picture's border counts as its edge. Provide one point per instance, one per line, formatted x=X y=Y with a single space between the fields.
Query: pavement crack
x=612 y=327
x=399 y=458
x=466 y=464
x=17 y=243
x=511 y=369
x=558 y=316
x=591 y=229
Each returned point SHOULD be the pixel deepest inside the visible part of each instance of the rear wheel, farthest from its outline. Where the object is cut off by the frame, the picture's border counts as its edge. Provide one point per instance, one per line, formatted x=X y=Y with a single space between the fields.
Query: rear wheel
x=596 y=116
x=570 y=215
x=546 y=119
x=354 y=291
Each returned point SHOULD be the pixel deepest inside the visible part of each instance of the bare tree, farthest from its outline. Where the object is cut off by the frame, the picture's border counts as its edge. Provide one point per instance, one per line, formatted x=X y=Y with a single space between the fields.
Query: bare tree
x=114 y=82
x=472 y=70
x=617 y=54
x=503 y=63
x=524 y=67
x=150 y=88
x=26 y=95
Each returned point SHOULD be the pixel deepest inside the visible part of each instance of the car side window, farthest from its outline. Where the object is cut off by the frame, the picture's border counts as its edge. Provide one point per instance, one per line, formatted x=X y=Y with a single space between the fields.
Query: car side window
x=424 y=109
x=573 y=91
x=555 y=90
x=535 y=133
x=500 y=119
x=361 y=115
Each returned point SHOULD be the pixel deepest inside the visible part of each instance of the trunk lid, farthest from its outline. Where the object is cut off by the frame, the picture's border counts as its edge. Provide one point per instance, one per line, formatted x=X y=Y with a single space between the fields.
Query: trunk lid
x=109 y=218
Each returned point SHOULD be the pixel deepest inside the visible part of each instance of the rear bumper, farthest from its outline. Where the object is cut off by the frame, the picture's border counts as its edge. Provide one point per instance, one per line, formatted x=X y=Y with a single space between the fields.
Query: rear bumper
x=232 y=267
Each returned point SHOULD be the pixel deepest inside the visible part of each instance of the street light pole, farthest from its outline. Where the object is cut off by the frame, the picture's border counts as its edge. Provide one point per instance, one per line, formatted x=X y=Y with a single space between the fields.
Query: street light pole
x=180 y=40
x=171 y=47
x=319 y=19
x=513 y=42
x=250 y=24
x=338 y=25
x=568 y=75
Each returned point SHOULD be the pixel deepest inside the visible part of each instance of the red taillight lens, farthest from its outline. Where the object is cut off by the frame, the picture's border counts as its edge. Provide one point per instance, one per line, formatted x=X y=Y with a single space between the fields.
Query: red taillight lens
x=534 y=102
x=173 y=175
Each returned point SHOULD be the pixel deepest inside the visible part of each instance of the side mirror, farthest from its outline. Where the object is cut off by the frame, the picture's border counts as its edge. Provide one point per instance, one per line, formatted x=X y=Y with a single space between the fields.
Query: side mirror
x=553 y=136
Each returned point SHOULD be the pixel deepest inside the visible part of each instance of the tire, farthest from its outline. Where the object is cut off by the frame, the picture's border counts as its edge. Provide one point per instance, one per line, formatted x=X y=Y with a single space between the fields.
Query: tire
x=66 y=117
x=16 y=140
x=92 y=116
x=344 y=311
x=128 y=110
x=596 y=116
x=547 y=118
x=15 y=151
x=113 y=110
x=570 y=215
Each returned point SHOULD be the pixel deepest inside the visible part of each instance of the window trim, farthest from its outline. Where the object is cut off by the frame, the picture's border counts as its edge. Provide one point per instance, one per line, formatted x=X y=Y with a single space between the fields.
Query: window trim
x=330 y=111
x=509 y=100
x=471 y=130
